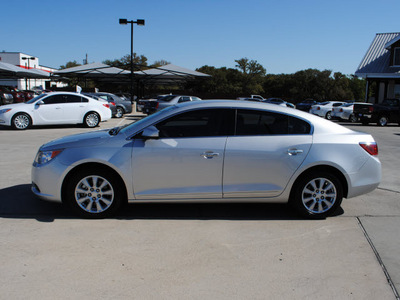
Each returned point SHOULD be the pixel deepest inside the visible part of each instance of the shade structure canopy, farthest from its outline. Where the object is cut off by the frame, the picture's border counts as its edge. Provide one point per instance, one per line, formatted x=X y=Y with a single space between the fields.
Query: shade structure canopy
x=9 y=71
x=93 y=71
x=168 y=74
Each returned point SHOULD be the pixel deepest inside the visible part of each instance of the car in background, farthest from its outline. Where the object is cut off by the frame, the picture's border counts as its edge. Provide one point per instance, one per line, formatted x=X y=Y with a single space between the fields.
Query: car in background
x=18 y=95
x=171 y=100
x=306 y=105
x=279 y=101
x=214 y=151
x=344 y=112
x=324 y=109
x=149 y=105
x=122 y=106
x=55 y=109
x=5 y=96
x=113 y=107
x=29 y=94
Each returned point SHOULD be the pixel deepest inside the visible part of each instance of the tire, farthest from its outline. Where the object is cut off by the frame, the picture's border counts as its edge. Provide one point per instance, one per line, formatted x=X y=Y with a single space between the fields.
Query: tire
x=317 y=195
x=382 y=121
x=21 y=121
x=91 y=120
x=328 y=116
x=353 y=118
x=119 y=112
x=94 y=193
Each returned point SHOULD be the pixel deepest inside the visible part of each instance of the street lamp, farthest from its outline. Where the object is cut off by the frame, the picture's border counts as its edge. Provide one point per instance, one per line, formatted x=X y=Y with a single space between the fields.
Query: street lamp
x=26 y=80
x=139 y=22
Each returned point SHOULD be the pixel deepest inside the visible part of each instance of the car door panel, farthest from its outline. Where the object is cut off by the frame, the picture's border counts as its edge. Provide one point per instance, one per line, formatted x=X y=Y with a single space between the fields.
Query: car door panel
x=269 y=163
x=180 y=168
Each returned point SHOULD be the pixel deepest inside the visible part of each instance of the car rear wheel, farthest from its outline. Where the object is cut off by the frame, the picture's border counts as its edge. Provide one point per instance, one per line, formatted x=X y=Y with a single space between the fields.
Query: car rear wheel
x=91 y=119
x=317 y=195
x=93 y=193
x=21 y=121
x=328 y=115
x=119 y=112
x=353 y=118
x=383 y=121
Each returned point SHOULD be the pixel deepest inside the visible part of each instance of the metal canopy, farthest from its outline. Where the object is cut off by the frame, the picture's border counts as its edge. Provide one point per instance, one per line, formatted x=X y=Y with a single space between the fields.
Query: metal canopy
x=167 y=74
x=9 y=71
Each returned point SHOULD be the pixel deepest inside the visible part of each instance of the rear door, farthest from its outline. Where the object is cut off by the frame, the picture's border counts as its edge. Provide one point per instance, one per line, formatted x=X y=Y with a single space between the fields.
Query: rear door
x=264 y=153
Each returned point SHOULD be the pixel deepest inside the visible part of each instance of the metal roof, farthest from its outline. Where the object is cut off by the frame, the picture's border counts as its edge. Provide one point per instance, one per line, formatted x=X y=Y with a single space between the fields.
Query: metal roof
x=376 y=61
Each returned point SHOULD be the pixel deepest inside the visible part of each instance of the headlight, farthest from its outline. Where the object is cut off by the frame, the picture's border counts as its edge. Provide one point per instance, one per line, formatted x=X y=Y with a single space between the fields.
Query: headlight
x=3 y=111
x=43 y=157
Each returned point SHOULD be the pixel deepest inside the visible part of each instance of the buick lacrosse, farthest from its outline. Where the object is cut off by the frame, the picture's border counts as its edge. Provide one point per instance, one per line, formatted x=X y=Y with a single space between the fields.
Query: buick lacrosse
x=210 y=151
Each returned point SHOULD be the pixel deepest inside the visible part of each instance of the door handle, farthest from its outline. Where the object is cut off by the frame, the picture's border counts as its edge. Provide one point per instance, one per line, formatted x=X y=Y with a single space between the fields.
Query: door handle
x=292 y=152
x=209 y=154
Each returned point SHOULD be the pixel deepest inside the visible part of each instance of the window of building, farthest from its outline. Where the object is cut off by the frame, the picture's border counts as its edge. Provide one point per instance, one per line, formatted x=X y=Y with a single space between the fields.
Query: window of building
x=396 y=56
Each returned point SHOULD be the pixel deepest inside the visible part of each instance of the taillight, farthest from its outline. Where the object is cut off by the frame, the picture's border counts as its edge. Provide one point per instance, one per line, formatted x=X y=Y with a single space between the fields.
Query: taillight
x=106 y=105
x=341 y=110
x=318 y=108
x=370 y=109
x=371 y=148
x=158 y=103
x=112 y=103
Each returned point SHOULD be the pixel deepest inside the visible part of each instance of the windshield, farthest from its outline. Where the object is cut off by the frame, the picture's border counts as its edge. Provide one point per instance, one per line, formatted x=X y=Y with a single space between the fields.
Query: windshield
x=35 y=99
x=131 y=126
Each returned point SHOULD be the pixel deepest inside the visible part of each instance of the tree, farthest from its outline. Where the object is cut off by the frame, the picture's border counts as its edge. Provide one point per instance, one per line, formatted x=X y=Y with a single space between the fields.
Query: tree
x=159 y=63
x=139 y=62
x=70 y=64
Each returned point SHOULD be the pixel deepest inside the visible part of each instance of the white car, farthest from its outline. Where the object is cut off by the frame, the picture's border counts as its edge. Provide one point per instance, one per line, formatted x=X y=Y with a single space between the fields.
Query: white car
x=55 y=108
x=344 y=112
x=170 y=100
x=324 y=109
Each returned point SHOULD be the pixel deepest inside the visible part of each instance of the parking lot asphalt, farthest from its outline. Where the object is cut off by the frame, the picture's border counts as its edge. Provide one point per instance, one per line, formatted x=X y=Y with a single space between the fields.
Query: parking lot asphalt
x=195 y=251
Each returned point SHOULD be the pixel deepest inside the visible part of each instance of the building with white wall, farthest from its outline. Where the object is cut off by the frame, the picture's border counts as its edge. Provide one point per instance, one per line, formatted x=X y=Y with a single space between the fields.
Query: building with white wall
x=28 y=62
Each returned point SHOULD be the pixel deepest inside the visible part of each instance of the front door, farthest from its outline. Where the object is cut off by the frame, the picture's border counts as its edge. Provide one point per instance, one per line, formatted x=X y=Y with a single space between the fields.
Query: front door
x=185 y=162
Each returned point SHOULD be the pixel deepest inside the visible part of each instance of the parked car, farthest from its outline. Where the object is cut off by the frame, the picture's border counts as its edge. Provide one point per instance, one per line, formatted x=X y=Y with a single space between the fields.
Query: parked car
x=252 y=98
x=149 y=105
x=210 y=151
x=324 y=109
x=279 y=101
x=29 y=94
x=112 y=105
x=55 y=108
x=383 y=113
x=170 y=100
x=122 y=106
x=18 y=95
x=306 y=105
x=344 y=112
x=5 y=96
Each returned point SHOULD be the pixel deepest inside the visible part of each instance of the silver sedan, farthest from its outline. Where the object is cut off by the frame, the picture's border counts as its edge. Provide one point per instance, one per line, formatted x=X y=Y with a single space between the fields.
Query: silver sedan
x=205 y=151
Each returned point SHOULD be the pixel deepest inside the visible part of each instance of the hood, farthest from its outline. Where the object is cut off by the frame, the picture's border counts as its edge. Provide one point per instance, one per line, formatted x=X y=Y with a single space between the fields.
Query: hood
x=13 y=105
x=88 y=139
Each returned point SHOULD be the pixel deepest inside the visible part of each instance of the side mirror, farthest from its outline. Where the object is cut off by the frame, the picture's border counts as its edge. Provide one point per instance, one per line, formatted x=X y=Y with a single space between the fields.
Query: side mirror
x=40 y=102
x=151 y=132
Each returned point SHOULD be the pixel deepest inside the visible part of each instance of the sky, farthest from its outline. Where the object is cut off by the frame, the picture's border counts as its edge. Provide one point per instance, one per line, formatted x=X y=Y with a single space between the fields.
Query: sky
x=284 y=36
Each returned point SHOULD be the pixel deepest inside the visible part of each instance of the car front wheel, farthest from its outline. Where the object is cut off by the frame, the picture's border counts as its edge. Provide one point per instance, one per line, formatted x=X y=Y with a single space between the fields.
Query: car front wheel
x=21 y=121
x=94 y=193
x=91 y=119
x=317 y=195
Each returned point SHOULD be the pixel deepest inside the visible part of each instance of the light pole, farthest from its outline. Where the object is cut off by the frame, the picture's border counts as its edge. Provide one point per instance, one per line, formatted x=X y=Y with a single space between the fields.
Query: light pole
x=139 y=22
x=26 y=80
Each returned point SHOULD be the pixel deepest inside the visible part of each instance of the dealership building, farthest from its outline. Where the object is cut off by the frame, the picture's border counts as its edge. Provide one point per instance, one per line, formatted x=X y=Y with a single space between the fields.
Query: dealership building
x=27 y=61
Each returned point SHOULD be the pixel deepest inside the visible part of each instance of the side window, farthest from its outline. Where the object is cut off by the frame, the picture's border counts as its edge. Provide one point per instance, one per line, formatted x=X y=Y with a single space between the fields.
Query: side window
x=197 y=123
x=298 y=126
x=250 y=122
x=55 y=99
x=73 y=99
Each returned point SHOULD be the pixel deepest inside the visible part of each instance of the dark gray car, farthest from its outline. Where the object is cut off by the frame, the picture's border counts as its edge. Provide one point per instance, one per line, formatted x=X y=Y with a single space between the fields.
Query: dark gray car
x=123 y=106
